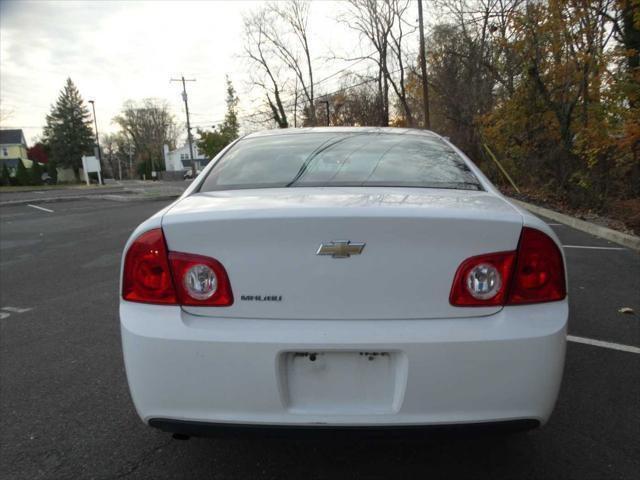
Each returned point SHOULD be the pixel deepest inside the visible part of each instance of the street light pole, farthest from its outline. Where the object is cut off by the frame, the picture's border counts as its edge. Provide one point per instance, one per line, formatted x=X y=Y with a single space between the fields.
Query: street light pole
x=95 y=121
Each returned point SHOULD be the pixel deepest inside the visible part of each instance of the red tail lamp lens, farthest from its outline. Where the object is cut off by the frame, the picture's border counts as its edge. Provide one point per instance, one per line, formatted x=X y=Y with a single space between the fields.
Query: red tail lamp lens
x=147 y=277
x=482 y=280
x=533 y=274
x=200 y=281
x=539 y=270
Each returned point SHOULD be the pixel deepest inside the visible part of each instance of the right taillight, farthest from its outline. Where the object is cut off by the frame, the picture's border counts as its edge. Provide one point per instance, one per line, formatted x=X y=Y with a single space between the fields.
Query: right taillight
x=532 y=274
x=538 y=272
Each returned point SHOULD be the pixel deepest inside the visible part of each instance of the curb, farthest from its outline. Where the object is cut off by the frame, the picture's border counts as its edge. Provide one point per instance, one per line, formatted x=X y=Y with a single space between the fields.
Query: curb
x=110 y=197
x=624 y=239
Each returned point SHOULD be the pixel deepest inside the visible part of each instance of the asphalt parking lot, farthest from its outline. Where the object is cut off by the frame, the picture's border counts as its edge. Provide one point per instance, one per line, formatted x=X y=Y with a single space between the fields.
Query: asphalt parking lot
x=65 y=410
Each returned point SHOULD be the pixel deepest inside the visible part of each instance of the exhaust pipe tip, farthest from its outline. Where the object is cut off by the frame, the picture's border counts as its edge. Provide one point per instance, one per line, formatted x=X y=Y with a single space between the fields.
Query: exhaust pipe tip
x=180 y=436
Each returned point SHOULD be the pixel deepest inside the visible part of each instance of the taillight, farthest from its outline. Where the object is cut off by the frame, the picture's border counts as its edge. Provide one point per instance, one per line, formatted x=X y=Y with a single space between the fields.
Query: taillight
x=153 y=275
x=539 y=270
x=147 y=276
x=482 y=280
x=200 y=280
x=532 y=274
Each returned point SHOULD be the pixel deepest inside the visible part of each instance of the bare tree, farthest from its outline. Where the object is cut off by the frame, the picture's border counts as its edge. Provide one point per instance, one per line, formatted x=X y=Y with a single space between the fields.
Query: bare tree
x=294 y=16
x=259 y=51
x=116 y=149
x=355 y=104
x=277 y=42
x=373 y=21
x=149 y=125
x=383 y=24
x=398 y=76
x=109 y=147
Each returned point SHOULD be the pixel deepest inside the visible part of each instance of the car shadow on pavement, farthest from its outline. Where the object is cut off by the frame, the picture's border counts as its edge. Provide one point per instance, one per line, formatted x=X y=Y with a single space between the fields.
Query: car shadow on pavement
x=451 y=456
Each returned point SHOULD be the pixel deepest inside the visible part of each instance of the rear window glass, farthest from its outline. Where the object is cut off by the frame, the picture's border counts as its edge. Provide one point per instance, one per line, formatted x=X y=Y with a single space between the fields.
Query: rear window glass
x=340 y=159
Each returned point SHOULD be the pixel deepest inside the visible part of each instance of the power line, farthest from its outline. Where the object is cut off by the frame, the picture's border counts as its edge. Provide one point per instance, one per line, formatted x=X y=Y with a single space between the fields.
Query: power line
x=341 y=89
x=367 y=57
x=295 y=101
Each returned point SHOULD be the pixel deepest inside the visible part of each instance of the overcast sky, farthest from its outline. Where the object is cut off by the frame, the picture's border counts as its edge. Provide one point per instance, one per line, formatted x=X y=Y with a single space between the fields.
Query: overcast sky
x=115 y=51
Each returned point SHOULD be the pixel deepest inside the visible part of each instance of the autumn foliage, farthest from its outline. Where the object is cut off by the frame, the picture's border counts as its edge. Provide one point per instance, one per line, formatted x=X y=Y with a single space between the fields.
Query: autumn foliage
x=552 y=88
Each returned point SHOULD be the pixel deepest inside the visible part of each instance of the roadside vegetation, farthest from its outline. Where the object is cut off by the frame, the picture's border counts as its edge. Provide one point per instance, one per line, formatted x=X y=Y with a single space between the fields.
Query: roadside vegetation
x=547 y=91
x=550 y=90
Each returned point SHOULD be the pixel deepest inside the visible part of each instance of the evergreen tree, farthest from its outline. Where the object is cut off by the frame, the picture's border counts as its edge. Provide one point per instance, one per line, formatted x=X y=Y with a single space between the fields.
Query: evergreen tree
x=230 y=128
x=5 y=176
x=36 y=174
x=68 y=130
x=22 y=175
x=212 y=142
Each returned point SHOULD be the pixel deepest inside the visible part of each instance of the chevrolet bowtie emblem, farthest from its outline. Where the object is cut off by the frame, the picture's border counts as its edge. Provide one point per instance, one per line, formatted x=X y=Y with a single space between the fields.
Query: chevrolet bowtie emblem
x=340 y=249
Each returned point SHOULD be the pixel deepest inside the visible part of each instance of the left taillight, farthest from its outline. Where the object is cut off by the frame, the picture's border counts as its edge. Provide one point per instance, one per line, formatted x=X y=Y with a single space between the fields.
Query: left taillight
x=146 y=275
x=152 y=274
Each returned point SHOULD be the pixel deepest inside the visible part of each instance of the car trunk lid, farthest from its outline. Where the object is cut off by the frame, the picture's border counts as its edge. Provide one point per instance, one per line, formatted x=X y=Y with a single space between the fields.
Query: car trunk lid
x=413 y=241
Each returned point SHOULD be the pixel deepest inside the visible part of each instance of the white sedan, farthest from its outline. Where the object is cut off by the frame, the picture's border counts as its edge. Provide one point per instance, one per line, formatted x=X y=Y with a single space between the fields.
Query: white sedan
x=342 y=278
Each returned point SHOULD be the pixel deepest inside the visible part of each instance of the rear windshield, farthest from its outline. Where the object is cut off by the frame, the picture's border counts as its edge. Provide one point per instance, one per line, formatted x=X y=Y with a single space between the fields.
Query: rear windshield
x=340 y=159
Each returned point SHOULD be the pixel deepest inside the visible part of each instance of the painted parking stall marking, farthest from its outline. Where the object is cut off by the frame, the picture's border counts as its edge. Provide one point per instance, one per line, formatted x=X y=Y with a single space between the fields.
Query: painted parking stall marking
x=40 y=208
x=603 y=344
x=5 y=312
x=593 y=248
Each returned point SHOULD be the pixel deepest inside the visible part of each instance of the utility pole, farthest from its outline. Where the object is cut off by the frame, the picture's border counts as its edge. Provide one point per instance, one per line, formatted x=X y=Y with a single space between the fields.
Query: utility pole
x=186 y=107
x=95 y=122
x=326 y=102
x=295 y=107
x=130 y=163
x=423 y=67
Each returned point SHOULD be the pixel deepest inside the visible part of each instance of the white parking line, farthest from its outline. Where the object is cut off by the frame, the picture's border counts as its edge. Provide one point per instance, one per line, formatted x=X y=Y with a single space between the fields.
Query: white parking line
x=554 y=224
x=16 y=309
x=5 y=312
x=600 y=343
x=593 y=248
x=39 y=208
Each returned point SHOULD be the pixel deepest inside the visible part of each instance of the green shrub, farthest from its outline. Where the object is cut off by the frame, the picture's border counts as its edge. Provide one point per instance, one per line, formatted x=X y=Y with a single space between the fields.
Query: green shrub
x=52 y=170
x=5 y=176
x=36 y=174
x=22 y=175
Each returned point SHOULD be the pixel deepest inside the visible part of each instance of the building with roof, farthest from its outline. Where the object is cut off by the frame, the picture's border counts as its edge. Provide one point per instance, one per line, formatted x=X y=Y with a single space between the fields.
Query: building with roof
x=13 y=148
x=179 y=160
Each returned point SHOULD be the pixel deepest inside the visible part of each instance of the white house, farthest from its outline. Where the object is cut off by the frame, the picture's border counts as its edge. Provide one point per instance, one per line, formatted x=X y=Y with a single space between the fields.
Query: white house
x=178 y=159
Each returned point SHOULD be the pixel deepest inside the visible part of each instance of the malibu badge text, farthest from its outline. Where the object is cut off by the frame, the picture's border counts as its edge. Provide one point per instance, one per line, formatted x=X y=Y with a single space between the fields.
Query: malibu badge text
x=261 y=298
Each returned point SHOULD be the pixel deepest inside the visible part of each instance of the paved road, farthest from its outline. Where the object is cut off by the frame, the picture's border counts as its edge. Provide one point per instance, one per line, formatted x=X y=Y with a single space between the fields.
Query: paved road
x=123 y=190
x=65 y=410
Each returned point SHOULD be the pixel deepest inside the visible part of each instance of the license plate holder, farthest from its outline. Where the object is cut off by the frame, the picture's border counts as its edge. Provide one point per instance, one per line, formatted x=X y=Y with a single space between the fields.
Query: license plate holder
x=343 y=382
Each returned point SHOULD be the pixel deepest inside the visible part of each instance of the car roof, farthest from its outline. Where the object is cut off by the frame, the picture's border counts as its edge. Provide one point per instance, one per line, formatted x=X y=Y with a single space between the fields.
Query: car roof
x=296 y=131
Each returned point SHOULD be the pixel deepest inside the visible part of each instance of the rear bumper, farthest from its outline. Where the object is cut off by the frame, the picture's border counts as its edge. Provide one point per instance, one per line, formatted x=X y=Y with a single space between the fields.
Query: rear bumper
x=203 y=429
x=502 y=367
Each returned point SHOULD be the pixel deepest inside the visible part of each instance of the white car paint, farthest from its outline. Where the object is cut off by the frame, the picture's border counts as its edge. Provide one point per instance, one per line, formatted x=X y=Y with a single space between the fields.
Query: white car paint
x=267 y=240
x=246 y=364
